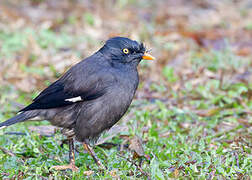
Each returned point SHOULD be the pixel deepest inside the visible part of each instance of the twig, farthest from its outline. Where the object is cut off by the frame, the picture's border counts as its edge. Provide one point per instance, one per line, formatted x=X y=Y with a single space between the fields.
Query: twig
x=137 y=166
x=221 y=78
x=7 y=152
x=16 y=133
x=237 y=159
x=10 y=154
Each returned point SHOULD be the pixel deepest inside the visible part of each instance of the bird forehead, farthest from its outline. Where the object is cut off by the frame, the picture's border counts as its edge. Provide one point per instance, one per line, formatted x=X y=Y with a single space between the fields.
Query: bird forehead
x=120 y=42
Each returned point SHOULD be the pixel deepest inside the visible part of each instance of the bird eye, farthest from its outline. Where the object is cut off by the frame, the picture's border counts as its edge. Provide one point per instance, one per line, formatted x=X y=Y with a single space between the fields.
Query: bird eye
x=125 y=51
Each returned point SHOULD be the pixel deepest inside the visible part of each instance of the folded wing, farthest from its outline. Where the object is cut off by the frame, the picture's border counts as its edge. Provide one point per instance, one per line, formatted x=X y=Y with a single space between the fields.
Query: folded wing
x=73 y=87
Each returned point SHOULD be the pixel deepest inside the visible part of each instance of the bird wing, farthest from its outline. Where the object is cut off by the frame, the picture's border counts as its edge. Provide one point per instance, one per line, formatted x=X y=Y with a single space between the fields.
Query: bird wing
x=74 y=86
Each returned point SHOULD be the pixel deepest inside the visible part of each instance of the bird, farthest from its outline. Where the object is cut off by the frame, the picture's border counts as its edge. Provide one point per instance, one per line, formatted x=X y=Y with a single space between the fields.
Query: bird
x=91 y=96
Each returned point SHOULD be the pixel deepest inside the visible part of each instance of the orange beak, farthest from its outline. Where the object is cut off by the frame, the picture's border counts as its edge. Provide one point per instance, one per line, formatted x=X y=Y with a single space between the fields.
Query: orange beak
x=147 y=56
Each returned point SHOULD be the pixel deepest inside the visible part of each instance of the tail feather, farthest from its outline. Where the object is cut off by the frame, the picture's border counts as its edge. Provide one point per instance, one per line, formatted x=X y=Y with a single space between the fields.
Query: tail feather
x=18 y=118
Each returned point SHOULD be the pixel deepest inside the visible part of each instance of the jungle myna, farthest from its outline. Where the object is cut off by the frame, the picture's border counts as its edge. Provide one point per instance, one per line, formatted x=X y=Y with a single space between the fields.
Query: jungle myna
x=91 y=96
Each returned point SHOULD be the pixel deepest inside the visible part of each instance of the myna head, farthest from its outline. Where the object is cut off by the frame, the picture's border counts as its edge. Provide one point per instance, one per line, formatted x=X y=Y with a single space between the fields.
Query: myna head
x=124 y=50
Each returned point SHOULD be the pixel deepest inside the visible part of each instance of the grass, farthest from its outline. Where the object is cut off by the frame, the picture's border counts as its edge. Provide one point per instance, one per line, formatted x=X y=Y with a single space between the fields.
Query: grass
x=194 y=120
x=177 y=141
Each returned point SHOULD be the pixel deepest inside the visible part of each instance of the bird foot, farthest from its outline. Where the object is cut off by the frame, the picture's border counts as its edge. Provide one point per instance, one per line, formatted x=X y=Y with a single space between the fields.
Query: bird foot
x=65 y=167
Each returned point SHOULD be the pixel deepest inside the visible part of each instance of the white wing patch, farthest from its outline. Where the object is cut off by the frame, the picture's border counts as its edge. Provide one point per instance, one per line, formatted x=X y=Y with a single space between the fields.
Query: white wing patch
x=3 y=127
x=75 y=99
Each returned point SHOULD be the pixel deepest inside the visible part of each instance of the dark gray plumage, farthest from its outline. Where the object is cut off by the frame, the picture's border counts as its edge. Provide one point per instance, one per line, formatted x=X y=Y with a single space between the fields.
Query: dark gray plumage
x=92 y=95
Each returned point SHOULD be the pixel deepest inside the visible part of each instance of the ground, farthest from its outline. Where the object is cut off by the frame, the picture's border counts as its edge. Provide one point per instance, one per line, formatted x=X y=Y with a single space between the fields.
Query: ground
x=191 y=116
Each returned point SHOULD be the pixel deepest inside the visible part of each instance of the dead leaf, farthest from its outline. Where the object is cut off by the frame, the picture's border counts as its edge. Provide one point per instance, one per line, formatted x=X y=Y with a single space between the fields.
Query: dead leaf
x=44 y=130
x=88 y=173
x=113 y=174
x=136 y=145
x=245 y=122
x=176 y=173
x=208 y=112
x=245 y=51
x=116 y=129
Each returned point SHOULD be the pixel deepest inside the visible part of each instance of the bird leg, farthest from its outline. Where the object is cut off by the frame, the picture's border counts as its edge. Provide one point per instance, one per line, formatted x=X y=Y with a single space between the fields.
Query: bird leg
x=90 y=150
x=71 y=164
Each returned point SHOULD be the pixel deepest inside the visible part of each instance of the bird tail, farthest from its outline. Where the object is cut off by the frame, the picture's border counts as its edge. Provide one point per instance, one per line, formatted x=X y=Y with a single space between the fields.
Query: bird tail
x=23 y=116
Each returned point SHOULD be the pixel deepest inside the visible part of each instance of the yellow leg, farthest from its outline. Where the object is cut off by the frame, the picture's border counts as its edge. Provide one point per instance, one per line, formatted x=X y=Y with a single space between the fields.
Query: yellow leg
x=92 y=153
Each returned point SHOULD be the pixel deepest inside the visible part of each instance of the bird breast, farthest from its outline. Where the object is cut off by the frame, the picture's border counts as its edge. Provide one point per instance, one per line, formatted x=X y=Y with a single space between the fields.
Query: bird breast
x=102 y=113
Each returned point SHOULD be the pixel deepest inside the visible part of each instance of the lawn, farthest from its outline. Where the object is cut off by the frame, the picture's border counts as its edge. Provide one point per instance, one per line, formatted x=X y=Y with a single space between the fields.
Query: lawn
x=192 y=114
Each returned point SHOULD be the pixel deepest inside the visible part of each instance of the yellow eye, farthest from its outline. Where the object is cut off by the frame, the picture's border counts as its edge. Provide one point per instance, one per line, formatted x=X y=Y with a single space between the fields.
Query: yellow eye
x=125 y=51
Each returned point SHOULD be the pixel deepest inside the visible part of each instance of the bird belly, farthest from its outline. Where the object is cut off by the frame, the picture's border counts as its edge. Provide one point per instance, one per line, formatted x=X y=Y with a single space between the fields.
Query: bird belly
x=101 y=114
